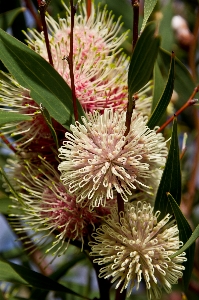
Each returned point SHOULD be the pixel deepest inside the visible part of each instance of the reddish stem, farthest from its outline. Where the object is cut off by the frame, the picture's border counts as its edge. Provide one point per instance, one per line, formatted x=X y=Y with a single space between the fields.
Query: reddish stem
x=33 y=13
x=88 y=7
x=42 y=8
x=190 y=102
x=131 y=102
x=70 y=61
x=10 y=146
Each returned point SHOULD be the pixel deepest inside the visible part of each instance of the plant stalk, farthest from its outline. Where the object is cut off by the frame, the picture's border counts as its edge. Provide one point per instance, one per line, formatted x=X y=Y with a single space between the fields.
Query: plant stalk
x=42 y=9
x=189 y=102
x=136 y=7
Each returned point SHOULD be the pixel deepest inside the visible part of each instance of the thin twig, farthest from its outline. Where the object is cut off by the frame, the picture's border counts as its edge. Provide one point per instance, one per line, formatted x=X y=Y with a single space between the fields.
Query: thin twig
x=88 y=7
x=42 y=9
x=131 y=101
x=34 y=14
x=130 y=107
x=6 y=141
x=70 y=61
x=190 y=102
x=136 y=6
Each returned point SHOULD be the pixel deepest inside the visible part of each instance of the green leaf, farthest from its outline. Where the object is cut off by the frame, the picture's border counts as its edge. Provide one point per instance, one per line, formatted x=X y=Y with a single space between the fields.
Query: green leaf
x=158 y=85
x=143 y=59
x=148 y=9
x=184 y=84
x=171 y=177
x=11 y=272
x=165 y=29
x=33 y=72
x=190 y=241
x=185 y=233
x=162 y=104
x=61 y=271
x=9 y=117
x=7 y=18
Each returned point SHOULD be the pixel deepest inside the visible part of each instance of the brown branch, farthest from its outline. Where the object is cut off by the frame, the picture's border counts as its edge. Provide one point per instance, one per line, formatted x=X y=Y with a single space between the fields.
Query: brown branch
x=10 y=146
x=34 y=14
x=190 y=102
x=42 y=9
x=70 y=60
x=88 y=7
x=193 y=45
x=131 y=101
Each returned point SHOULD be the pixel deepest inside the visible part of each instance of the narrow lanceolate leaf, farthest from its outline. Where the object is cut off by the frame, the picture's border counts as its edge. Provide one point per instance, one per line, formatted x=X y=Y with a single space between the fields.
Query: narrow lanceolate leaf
x=185 y=233
x=171 y=177
x=143 y=59
x=158 y=86
x=190 y=241
x=7 y=18
x=9 y=117
x=184 y=84
x=11 y=272
x=46 y=86
x=164 y=99
x=60 y=272
x=148 y=9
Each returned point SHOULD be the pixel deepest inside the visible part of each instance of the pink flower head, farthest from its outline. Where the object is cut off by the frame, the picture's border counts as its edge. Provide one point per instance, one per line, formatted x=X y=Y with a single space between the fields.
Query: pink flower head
x=47 y=208
x=98 y=160
x=100 y=70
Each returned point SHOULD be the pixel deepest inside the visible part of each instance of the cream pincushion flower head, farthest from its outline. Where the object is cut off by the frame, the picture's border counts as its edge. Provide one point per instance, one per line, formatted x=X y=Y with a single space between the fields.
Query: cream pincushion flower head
x=138 y=247
x=100 y=70
x=98 y=160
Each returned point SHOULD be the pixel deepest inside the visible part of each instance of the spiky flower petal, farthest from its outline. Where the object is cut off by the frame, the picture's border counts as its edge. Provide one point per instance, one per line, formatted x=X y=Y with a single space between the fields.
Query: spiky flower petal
x=138 y=247
x=97 y=159
x=46 y=208
x=100 y=70
x=34 y=135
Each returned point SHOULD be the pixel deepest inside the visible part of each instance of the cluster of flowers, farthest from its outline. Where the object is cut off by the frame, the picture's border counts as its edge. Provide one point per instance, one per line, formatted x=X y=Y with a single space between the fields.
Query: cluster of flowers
x=72 y=192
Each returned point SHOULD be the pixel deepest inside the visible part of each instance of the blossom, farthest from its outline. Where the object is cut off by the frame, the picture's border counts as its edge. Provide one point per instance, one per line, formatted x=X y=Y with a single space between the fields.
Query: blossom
x=138 y=247
x=46 y=207
x=100 y=69
x=34 y=135
x=98 y=159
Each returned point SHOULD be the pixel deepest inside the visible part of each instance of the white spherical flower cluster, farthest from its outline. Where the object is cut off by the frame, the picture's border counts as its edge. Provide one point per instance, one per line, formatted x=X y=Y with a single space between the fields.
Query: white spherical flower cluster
x=98 y=159
x=138 y=247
